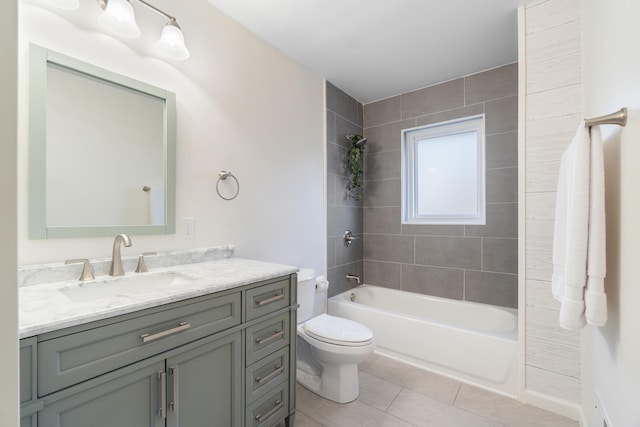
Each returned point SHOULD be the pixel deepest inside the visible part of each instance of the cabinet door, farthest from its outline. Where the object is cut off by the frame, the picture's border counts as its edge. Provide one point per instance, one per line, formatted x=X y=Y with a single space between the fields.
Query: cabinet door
x=128 y=397
x=205 y=384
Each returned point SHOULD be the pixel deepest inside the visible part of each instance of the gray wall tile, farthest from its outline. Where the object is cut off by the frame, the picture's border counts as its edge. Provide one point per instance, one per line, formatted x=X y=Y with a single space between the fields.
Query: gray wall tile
x=344 y=116
x=385 y=274
x=341 y=103
x=386 y=137
x=502 y=221
x=441 y=282
x=331 y=126
x=342 y=218
x=456 y=113
x=348 y=255
x=360 y=121
x=502 y=185
x=382 y=192
x=382 y=165
x=336 y=156
x=342 y=194
x=336 y=276
x=344 y=128
x=444 y=96
x=387 y=247
x=384 y=111
x=331 y=189
x=501 y=115
x=492 y=84
x=502 y=150
x=500 y=255
x=331 y=252
x=385 y=220
x=492 y=288
x=433 y=230
x=443 y=249
x=453 y=252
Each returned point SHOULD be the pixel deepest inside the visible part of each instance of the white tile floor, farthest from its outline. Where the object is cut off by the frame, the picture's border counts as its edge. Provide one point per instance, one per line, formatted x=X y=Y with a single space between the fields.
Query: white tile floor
x=396 y=394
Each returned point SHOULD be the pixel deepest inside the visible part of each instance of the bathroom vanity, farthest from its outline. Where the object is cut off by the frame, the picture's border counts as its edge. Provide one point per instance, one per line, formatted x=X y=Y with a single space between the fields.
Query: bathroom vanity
x=215 y=350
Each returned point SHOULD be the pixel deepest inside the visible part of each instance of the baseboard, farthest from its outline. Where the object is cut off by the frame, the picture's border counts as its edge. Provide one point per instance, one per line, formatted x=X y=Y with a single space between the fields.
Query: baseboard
x=553 y=404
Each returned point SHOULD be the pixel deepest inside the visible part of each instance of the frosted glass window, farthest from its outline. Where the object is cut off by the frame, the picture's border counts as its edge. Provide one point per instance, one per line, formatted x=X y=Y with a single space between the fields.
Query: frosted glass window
x=443 y=173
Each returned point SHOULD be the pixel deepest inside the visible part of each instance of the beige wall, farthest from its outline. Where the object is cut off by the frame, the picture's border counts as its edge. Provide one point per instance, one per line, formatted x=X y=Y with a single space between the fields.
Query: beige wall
x=241 y=106
x=553 y=110
x=611 y=60
x=8 y=249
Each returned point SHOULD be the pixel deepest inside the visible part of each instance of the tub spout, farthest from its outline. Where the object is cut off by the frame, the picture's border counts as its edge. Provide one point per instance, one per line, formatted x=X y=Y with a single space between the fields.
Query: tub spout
x=353 y=278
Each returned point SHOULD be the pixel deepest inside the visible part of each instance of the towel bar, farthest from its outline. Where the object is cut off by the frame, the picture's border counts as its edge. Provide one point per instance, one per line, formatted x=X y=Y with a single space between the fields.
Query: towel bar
x=618 y=118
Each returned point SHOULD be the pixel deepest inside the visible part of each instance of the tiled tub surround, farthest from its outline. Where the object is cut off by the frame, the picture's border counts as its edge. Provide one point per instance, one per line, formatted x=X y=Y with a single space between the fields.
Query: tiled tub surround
x=344 y=117
x=427 y=331
x=468 y=262
x=43 y=308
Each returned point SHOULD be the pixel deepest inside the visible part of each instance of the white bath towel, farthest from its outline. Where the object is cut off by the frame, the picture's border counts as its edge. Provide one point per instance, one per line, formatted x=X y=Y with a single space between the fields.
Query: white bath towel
x=594 y=298
x=579 y=233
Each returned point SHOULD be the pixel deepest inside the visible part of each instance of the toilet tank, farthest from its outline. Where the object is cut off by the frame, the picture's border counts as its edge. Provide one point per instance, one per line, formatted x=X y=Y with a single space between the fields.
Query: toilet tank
x=306 y=293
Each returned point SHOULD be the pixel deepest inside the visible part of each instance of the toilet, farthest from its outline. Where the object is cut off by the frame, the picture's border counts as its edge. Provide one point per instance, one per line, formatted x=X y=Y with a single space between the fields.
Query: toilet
x=329 y=348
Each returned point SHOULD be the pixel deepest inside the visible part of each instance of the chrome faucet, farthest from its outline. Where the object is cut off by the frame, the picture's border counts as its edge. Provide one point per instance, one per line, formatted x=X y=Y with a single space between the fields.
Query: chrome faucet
x=353 y=278
x=116 y=259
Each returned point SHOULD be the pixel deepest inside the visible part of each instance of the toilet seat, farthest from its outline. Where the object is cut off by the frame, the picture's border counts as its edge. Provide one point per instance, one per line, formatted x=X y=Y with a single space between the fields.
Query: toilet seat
x=338 y=331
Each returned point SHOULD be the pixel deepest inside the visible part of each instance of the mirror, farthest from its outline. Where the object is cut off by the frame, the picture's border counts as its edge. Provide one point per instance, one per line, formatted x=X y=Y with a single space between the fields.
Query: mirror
x=101 y=151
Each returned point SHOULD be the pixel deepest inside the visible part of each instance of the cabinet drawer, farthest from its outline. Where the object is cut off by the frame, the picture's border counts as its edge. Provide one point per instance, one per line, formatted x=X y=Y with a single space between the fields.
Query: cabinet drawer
x=269 y=410
x=266 y=374
x=266 y=337
x=266 y=299
x=73 y=358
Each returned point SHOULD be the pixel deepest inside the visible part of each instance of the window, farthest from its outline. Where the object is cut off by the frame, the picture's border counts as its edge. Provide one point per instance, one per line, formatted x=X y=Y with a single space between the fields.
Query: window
x=443 y=173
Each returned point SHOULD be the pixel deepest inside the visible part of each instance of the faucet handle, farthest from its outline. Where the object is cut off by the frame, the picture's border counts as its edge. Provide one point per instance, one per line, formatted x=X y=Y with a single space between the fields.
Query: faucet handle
x=142 y=267
x=87 y=273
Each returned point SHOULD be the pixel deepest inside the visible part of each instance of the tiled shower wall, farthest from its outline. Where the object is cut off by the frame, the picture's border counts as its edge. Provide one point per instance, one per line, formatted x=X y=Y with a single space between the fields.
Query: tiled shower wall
x=465 y=262
x=553 y=112
x=344 y=117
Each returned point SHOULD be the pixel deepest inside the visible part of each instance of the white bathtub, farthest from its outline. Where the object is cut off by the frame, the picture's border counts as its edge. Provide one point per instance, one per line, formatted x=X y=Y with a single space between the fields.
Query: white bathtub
x=472 y=342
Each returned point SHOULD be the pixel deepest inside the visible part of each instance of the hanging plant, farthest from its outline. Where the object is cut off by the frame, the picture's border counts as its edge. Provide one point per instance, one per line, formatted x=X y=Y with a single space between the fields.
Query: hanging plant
x=355 y=165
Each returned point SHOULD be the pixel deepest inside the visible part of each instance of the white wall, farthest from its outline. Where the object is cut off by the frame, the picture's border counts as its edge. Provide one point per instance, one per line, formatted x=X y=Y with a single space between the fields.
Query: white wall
x=8 y=262
x=242 y=106
x=611 y=60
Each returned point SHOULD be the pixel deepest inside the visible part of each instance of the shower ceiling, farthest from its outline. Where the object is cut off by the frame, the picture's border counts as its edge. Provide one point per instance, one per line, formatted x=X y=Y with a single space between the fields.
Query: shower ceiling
x=374 y=49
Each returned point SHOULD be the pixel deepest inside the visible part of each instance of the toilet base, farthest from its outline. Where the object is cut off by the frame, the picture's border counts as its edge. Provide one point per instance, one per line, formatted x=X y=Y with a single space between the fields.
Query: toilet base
x=338 y=383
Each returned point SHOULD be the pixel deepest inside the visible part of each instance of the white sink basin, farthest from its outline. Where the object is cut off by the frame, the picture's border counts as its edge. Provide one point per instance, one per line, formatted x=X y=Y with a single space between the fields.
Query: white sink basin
x=126 y=285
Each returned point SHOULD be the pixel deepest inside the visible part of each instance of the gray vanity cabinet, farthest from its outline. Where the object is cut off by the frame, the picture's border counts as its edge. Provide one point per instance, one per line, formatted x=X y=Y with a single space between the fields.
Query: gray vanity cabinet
x=223 y=359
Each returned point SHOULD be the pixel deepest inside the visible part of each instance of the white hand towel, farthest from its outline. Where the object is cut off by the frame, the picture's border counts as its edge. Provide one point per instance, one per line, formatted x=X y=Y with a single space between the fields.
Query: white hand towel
x=594 y=297
x=156 y=206
x=576 y=252
x=570 y=231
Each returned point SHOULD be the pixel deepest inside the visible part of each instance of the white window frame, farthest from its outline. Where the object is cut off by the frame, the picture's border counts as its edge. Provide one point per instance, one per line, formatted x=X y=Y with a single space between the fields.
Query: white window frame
x=410 y=139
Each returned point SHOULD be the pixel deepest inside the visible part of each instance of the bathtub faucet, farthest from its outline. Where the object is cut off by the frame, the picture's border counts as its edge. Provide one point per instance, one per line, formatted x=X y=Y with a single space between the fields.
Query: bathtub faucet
x=353 y=278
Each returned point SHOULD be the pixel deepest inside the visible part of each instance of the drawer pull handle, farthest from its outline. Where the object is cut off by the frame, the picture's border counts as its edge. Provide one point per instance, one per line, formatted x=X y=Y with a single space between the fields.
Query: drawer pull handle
x=274 y=298
x=276 y=334
x=181 y=327
x=278 y=370
x=273 y=410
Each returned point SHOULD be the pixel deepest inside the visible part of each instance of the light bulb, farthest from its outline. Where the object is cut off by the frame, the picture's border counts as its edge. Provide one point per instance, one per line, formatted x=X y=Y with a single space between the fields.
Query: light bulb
x=119 y=18
x=171 y=43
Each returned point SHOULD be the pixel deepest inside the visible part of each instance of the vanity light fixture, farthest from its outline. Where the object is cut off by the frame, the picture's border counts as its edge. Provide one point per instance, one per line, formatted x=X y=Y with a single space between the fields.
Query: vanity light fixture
x=119 y=17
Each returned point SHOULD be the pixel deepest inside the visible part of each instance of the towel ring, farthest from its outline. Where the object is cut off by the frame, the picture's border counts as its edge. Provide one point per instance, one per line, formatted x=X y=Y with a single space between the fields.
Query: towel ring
x=222 y=176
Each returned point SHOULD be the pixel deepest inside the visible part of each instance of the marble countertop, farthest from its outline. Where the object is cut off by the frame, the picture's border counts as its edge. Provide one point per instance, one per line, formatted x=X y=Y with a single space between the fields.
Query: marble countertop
x=46 y=307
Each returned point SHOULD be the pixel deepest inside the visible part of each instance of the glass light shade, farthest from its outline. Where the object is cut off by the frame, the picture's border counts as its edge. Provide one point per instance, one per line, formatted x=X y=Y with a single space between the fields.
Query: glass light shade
x=64 y=4
x=171 y=43
x=119 y=18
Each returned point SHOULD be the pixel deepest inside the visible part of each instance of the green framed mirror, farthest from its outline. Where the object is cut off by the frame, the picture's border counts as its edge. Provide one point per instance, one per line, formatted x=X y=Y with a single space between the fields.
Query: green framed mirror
x=101 y=151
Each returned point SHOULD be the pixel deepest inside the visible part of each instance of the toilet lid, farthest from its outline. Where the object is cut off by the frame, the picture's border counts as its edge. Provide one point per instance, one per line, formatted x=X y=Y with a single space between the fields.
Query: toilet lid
x=337 y=330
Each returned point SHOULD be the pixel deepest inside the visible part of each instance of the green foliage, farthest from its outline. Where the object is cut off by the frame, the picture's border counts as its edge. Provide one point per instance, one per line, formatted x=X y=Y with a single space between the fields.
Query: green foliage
x=355 y=168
